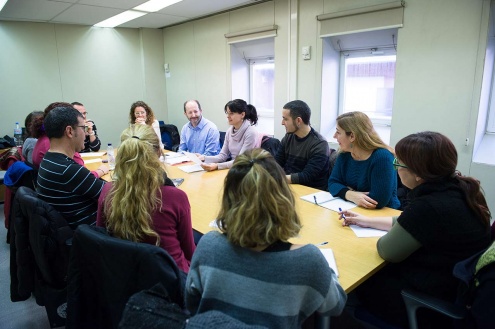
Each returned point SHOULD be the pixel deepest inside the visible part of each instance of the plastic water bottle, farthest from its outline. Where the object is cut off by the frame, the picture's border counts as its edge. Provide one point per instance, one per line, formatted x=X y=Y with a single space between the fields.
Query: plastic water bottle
x=111 y=157
x=18 y=135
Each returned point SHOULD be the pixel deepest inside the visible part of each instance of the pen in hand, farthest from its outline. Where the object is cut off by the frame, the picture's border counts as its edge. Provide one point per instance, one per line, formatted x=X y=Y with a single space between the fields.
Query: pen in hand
x=343 y=216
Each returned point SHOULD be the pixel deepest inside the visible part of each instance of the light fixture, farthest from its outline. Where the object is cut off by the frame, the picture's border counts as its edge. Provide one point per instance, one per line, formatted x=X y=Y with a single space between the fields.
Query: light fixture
x=119 y=19
x=155 y=5
x=2 y=3
x=141 y=10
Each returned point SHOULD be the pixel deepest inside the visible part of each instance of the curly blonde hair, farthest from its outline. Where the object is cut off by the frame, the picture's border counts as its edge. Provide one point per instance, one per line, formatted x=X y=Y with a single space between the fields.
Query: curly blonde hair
x=257 y=204
x=361 y=126
x=150 y=116
x=135 y=193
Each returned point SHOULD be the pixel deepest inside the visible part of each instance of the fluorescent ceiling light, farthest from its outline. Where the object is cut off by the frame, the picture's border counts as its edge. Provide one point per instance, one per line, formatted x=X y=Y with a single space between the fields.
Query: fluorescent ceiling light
x=119 y=19
x=155 y=5
x=2 y=3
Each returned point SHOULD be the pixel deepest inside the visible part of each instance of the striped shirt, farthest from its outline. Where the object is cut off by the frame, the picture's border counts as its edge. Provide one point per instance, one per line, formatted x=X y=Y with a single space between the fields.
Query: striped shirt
x=70 y=188
x=272 y=289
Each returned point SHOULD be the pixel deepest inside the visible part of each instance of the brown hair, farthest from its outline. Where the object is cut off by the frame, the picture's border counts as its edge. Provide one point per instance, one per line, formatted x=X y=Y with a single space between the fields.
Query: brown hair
x=150 y=116
x=257 y=204
x=433 y=157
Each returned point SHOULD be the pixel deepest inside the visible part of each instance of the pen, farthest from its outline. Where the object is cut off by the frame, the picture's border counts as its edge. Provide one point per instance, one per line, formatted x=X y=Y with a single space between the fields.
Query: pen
x=321 y=244
x=343 y=216
x=316 y=202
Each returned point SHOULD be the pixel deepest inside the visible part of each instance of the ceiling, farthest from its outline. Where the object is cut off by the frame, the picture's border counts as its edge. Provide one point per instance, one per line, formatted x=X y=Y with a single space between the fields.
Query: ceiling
x=90 y=12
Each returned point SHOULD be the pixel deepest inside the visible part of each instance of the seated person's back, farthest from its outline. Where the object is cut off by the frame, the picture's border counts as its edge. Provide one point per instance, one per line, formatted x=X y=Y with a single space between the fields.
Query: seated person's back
x=250 y=271
x=69 y=187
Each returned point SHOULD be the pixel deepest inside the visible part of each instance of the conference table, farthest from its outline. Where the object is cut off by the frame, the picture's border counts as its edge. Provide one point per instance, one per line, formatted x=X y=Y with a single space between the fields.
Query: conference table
x=357 y=258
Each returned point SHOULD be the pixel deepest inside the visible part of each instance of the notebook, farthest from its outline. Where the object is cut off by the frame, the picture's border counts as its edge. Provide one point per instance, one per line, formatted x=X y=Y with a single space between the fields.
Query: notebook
x=191 y=168
x=328 y=253
x=326 y=200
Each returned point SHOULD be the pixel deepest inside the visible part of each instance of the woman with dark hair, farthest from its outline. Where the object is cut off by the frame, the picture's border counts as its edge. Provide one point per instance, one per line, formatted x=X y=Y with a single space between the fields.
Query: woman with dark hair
x=141 y=113
x=446 y=221
x=30 y=140
x=43 y=143
x=240 y=137
x=248 y=269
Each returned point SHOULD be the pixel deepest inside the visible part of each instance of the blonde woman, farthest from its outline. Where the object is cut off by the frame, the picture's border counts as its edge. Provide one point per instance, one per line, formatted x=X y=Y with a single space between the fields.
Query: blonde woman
x=363 y=172
x=248 y=269
x=141 y=113
x=142 y=204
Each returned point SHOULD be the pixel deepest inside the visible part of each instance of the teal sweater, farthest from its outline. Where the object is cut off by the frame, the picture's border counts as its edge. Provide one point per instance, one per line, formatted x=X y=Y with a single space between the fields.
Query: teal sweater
x=375 y=175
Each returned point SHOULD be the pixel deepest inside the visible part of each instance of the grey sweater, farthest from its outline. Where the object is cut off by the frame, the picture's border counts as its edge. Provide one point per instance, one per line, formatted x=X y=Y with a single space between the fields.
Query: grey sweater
x=272 y=289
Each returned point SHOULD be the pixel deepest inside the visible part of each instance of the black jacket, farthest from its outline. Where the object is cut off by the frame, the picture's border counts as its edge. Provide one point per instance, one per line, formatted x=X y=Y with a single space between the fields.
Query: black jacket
x=37 y=250
x=105 y=271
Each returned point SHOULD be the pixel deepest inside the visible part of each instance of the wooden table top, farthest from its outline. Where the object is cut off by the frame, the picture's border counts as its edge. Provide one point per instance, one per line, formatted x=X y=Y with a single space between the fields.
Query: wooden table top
x=356 y=258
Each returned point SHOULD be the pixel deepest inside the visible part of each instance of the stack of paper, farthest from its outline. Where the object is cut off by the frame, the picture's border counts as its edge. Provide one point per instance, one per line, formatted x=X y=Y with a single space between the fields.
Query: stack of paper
x=326 y=200
x=328 y=253
x=175 y=160
x=192 y=168
x=92 y=154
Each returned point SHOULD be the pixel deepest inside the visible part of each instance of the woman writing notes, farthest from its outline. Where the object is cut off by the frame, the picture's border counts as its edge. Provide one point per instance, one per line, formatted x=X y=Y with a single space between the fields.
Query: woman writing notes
x=363 y=172
x=240 y=137
x=446 y=221
x=141 y=113
x=155 y=211
x=250 y=270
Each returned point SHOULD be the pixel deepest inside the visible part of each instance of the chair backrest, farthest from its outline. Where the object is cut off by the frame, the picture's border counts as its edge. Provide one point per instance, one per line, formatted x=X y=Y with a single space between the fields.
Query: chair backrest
x=333 y=158
x=170 y=136
x=222 y=138
x=105 y=271
x=270 y=144
x=48 y=232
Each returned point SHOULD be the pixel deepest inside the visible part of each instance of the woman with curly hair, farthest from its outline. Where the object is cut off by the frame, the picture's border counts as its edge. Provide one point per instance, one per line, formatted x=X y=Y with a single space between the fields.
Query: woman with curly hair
x=141 y=204
x=247 y=269
x=141 y=113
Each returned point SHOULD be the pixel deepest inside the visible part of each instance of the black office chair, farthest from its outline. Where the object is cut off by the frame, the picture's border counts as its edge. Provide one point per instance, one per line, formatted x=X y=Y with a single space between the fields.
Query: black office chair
x=104 y=272
x=475 y=304
x=270 y=144
x=170 y=136
x=222 y=138
x=38 y=254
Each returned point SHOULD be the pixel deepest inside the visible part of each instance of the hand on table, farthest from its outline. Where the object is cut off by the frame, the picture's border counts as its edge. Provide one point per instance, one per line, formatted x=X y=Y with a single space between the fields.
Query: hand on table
x=103 y=169
x=352 y=218
x=200 y=156
x=361 y=199
x=209 y=166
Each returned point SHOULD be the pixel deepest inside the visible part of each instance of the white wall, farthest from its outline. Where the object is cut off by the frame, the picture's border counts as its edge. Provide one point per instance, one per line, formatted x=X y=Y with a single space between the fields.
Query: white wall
x=106 y=69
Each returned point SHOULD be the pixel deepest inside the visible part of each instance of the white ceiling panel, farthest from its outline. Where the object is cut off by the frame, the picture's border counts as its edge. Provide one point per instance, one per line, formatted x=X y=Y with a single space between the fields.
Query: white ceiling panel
x=90 y=12
x=32 y=10
x=86 y=15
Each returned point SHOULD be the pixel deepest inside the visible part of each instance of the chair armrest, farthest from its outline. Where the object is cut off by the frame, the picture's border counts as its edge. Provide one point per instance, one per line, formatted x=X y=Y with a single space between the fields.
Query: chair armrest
x=414 y=300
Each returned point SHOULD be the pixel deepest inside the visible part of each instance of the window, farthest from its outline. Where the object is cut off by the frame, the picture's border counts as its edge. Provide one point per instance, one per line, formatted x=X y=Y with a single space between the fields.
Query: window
x=252 y=67
x=367 y=85
x=358 y=74
x=261 y=93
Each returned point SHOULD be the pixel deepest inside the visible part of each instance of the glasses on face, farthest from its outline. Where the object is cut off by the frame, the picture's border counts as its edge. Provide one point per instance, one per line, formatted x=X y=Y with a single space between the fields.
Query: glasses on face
x=139 y=113
x=85 y=113
x=396 y=164
x=84 y=127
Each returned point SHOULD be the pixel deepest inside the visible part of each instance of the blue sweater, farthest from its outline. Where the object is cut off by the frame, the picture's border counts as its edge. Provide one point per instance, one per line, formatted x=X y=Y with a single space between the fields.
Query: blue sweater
x=375 y=175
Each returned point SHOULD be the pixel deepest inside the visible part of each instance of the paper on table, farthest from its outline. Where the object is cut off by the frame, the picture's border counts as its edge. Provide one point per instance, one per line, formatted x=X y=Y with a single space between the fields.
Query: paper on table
x=193 y=157
x=328 y=253
x=191 y=168
x=366 y=232
x=92 y=154
x=326 y=200
x=170 y=155
x=92 y=161
x=176 y=160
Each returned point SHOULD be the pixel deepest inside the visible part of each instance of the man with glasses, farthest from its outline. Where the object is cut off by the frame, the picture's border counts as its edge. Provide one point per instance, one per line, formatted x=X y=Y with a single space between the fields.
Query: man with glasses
x=91 y=142
x=69 y=187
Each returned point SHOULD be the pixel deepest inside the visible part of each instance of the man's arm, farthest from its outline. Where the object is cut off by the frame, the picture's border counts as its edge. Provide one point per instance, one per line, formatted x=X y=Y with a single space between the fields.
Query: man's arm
x=212 y=142
x=94 y=142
